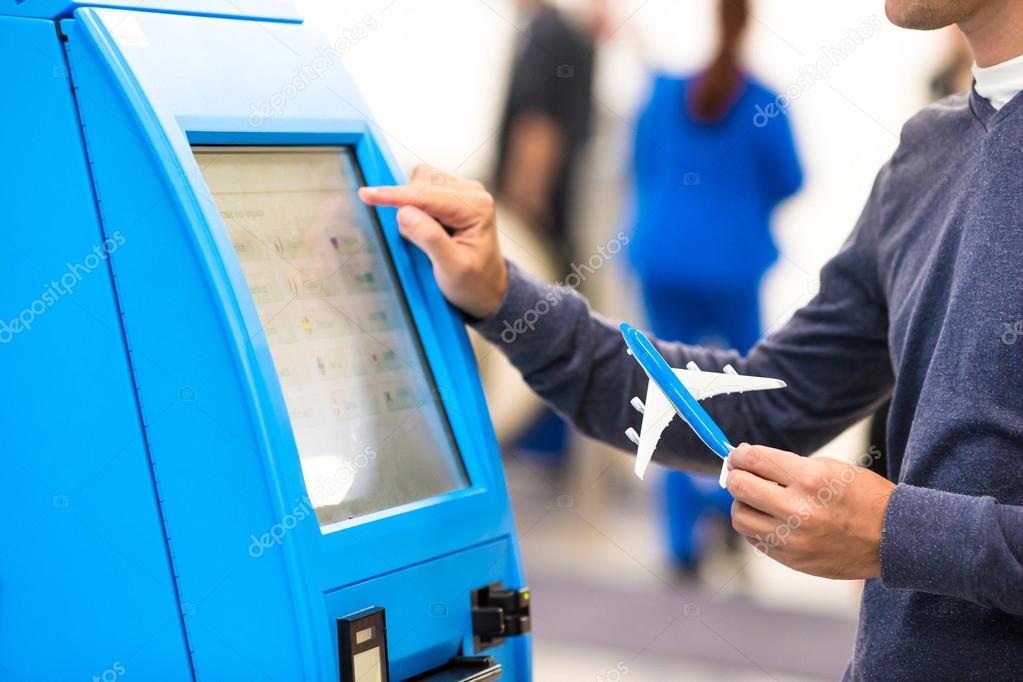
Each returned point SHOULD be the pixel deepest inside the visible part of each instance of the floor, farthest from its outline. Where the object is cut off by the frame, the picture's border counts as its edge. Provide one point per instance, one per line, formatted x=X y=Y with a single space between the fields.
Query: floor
x=607 y=606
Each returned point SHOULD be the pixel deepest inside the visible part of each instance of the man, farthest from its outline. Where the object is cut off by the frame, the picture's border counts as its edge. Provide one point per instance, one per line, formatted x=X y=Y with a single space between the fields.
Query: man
x=916 y=305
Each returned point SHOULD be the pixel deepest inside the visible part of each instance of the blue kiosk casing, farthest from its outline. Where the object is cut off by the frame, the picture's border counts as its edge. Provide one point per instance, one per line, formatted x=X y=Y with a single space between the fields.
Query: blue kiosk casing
x=238 y=409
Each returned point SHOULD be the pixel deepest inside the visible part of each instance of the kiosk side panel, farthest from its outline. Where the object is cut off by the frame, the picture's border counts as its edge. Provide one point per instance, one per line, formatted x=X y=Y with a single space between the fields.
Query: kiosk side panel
x=86 y=584
x=236 y=594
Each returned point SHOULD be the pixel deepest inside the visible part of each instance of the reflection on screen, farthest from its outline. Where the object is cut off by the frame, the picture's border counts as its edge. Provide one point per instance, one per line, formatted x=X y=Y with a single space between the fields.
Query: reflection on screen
x=370 y=431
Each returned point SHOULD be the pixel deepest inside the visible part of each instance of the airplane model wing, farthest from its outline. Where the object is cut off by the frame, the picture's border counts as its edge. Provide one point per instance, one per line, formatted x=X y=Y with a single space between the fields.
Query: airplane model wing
x=678 y=391
x=657 y=414
x=658 y=411
x=705 y=385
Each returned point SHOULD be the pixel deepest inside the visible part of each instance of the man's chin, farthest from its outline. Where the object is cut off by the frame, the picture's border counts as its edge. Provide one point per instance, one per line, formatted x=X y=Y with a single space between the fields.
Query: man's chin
x=923 y=15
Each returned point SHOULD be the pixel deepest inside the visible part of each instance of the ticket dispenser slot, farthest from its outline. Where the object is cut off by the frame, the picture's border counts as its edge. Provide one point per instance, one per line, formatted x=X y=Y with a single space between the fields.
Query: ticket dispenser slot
x=464 y=669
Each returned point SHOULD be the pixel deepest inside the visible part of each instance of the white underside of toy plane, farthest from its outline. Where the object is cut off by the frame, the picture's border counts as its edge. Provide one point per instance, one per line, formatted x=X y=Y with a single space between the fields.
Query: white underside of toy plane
x=658 y=411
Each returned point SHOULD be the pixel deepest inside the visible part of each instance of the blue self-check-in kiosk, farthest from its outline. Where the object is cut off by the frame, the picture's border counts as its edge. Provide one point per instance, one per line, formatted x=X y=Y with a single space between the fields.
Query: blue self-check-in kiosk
x=243 y=435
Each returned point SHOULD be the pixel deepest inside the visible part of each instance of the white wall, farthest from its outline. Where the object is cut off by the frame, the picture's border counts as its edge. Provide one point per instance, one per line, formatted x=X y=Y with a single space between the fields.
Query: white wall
x=434 y=72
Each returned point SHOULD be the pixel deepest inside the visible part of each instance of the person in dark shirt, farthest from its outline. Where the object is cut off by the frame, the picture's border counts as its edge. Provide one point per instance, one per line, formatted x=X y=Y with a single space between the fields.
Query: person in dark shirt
x=546 y=122
x=544 y=127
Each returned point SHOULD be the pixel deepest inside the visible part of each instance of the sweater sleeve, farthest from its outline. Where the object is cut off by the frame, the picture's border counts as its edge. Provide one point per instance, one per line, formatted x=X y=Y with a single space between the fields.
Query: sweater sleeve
x=833 y=354
x=957 y=545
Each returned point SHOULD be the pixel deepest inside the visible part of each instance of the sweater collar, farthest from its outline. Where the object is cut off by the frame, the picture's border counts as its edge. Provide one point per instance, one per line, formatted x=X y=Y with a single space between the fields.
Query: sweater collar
x=999 y=83
x=986 y=114
x=996 y=91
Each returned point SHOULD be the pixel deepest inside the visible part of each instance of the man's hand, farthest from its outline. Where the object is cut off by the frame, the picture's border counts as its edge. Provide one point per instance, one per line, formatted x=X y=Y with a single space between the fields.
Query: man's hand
x=453 y=221
x=819 y=516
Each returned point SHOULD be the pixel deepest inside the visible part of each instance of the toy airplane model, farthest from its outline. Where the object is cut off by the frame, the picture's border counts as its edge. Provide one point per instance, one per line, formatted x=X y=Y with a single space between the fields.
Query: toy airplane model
x=678 y=391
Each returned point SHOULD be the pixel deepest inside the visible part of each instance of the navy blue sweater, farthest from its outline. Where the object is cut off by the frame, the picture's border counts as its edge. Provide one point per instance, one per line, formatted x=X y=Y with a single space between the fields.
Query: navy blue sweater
x=924 y=303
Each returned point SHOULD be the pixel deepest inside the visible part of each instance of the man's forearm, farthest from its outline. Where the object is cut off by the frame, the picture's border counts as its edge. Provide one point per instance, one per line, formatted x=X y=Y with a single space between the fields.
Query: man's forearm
x=576 y=361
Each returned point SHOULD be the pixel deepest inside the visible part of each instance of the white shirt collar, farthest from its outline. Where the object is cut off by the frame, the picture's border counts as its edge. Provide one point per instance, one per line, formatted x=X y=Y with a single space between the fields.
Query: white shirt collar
x=999 y=83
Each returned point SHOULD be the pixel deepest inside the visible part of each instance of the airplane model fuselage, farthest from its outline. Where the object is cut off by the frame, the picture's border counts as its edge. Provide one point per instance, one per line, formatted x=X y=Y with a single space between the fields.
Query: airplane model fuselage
x=673 y=391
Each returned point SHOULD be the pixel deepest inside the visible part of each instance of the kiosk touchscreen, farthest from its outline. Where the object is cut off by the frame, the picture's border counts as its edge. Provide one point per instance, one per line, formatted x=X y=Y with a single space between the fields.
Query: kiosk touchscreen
x=352 y=368
x=247 y=438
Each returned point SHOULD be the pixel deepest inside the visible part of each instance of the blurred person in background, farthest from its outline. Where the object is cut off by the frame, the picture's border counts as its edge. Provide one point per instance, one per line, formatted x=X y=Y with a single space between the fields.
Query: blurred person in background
x=543 y=130
x=954 y=75
x=708 y=175
x=546 y=121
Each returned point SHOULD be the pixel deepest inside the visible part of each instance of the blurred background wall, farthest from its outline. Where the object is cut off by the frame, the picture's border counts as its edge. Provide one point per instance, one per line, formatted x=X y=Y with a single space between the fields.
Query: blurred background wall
x=434 y=74
x=607 y=604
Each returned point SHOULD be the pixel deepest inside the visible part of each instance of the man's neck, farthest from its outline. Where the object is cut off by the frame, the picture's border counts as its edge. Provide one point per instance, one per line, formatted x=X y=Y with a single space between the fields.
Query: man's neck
x=995 y=32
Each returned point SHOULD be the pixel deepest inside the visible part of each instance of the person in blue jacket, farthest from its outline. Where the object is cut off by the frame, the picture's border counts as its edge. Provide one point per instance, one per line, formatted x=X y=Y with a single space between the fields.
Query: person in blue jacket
x=710 y=167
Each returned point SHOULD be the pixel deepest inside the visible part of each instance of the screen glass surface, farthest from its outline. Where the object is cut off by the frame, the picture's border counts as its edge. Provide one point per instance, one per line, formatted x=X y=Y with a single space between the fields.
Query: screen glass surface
x=371 y=432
